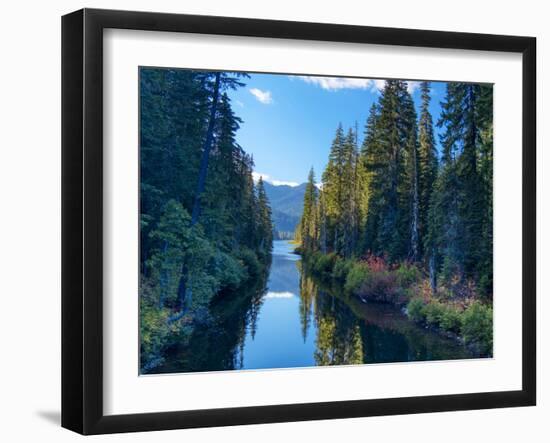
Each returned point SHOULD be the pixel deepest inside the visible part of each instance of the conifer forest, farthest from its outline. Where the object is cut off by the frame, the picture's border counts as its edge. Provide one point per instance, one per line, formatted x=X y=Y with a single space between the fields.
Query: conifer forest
x=354 y=226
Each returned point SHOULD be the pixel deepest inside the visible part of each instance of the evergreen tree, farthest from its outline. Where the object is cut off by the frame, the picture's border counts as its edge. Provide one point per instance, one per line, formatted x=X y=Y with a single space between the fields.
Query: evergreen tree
x=387 y=159
x=265 y=227
x=343 y=197
x=372 y=159
x=427 y=163
x=322 y=221
x=173 y=107
x=485 y=118
x=471 y=204
x=460 y=217
x=444 y=230
x=216 y=83
x=191 y=163
x=308 y=223
x=414 y=199
x=333 y=191
x=348 y=218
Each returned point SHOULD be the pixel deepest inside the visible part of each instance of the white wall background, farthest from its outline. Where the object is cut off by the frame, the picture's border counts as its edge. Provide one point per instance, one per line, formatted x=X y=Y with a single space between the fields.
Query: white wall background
x=30 y=219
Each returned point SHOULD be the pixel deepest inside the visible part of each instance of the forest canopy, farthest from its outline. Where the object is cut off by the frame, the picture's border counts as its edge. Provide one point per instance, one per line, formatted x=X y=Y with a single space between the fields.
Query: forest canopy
x=205 y=227
x=397 y=204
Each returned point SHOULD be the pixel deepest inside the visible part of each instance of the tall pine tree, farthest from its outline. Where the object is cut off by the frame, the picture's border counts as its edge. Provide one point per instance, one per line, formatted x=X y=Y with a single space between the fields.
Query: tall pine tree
x=427 y=164
x=308 y=224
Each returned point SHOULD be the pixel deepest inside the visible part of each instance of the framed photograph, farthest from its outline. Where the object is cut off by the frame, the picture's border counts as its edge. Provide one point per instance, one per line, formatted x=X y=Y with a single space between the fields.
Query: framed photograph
x=269 y=221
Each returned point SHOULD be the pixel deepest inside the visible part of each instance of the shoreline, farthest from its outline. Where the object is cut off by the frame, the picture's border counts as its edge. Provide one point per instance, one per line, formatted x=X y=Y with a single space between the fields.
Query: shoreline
x=430 y=312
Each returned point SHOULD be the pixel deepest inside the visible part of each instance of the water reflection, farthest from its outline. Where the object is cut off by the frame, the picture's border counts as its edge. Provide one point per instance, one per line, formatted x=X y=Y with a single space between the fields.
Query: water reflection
x=289 y=320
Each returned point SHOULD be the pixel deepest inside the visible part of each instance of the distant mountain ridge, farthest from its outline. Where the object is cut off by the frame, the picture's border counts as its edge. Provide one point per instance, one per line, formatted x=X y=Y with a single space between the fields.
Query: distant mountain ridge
x=287 y=204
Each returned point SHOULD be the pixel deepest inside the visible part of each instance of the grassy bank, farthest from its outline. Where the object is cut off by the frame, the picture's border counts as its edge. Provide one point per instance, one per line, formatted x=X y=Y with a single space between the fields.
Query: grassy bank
x=455 y=309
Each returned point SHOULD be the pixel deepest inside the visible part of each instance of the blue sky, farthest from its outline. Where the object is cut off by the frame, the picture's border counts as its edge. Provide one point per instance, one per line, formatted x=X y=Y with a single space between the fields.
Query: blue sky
x=289 y=122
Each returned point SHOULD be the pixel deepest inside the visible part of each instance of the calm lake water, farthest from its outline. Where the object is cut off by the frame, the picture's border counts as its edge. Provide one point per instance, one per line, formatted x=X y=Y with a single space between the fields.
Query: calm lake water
x=289 y=321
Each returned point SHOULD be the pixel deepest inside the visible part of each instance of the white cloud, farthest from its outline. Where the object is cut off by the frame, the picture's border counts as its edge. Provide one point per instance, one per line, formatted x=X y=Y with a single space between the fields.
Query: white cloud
x=283 y=183
x=412 y=86
x=262 y=96
x=239 y=103
x=379 y=84
x=256 y=176
x=337 y=83
x=279 y=295
x=267 y=178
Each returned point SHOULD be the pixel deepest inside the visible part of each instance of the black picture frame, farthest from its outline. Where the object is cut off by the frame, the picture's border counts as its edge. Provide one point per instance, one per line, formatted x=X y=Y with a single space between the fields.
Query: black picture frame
x=82 y=218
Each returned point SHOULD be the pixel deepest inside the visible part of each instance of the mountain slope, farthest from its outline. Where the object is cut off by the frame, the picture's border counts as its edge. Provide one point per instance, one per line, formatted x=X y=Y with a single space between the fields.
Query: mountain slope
x=286 y=206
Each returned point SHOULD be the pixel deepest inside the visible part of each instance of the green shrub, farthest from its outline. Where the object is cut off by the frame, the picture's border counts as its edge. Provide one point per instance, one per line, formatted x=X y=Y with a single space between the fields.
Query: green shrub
x=252 y=265
x=477 y=326
x=451 y=319
x=434 y=313
x=407 y=274
x=415 y=310
x=449 y=269
x=154 y=334
x=357 y=275
x=485 y=284
x=341 y=269
x=380 y=286
x=230 y=271
x=323 y=263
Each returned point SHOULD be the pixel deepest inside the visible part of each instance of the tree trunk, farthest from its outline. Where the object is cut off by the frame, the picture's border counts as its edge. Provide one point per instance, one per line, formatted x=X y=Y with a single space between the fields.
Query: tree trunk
x=206 y=152
x=414 y=221
x=183 y=291
x=323 y=233
x=164 y=277
x=433 y=274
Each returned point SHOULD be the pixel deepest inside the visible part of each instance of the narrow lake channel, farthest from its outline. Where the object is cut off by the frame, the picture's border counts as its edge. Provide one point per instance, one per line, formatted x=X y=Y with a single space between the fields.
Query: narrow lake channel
x=291 y=322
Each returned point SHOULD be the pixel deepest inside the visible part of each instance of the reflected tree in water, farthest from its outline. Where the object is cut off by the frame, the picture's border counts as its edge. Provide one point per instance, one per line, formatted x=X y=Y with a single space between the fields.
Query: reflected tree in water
x=308 y=290
x=339 y=340
x=218 y=345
